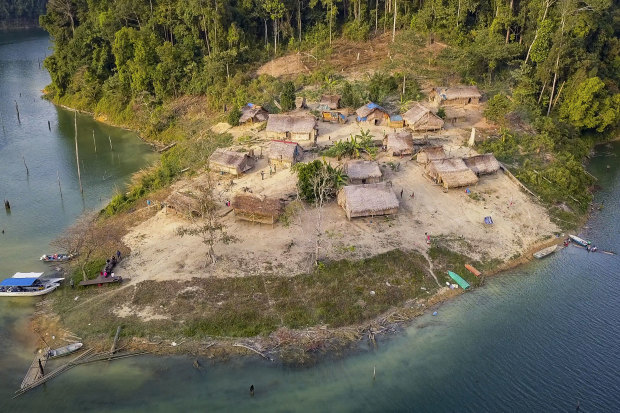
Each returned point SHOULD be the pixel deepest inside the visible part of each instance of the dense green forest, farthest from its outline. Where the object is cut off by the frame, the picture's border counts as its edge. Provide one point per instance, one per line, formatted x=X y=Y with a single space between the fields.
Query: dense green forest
x=550 y=67
x=21 y=11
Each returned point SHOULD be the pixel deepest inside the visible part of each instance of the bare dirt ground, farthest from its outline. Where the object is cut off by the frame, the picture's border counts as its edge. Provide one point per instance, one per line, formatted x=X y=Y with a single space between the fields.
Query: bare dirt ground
x=159 y=254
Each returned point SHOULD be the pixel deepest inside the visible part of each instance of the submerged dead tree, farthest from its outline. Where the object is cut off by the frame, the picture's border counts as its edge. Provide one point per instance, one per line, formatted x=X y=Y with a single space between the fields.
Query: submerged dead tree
x=206 y=221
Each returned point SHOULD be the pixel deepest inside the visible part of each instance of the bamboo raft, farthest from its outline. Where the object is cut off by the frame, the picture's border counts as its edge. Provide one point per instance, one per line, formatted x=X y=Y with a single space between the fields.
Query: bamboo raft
x=34 y=373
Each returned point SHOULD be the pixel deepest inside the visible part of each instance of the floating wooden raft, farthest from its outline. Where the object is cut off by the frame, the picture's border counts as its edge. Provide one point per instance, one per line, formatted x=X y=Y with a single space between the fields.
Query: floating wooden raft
x=472 y=270
x=34 y=373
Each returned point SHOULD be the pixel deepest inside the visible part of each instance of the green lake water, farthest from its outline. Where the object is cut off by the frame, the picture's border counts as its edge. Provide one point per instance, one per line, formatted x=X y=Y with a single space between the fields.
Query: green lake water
x=540 y=338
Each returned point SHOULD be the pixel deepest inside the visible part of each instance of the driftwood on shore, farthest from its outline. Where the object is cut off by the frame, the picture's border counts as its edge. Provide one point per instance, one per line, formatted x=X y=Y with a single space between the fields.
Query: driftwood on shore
x=254 y=350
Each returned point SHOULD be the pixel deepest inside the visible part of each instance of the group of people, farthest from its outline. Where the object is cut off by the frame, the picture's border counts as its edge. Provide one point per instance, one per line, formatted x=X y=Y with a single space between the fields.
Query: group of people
x=110 y=263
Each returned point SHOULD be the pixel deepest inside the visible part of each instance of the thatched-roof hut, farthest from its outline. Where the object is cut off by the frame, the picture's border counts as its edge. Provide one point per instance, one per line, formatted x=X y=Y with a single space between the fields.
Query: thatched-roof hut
x=431 y=153
x=451 y=173
x=362 y=172
x=373 y=114
x=292 y=127
x=234 y=163
x=257 y=208
x=284 y=154
x=184 y=202
x=458 y=95
x=252 y=113
x=482 y=164
x=399 y=143
x=420 y=118
x=329 y=102
x=367 y=200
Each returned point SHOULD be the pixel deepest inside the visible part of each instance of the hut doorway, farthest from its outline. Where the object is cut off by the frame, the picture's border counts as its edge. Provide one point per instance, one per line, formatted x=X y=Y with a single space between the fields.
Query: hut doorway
x=363 y=181
x=469 y=100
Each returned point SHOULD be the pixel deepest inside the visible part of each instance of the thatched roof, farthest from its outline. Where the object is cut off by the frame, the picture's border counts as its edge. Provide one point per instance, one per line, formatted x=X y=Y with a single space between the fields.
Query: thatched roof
x=399 y=142
x=330 y=101
x=250 y=111
x=458 y=92
x=228 y=158
x=368 y=199
x=258 y=205
x=432 y=153
x=285 y=151
x=482 y=164
x=451 y=172
x=360 y=169
x=367 y=109
x=415 y=113
x=184 y=201
x=291 y=123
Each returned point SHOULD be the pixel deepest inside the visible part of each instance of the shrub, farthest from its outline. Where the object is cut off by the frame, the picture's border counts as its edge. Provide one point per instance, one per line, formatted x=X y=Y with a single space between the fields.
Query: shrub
x=233 y=116
x=498 y=107
x=356 y=30
x=287 y=97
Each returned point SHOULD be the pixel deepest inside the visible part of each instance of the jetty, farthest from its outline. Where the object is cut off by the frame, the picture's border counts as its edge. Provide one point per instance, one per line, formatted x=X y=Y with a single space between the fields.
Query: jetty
x=102 y=280
x=34 y=372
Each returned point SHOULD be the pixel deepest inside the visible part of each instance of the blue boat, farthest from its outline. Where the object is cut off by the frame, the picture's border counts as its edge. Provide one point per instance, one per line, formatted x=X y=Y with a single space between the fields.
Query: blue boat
x=579 y=241
x=460 y=281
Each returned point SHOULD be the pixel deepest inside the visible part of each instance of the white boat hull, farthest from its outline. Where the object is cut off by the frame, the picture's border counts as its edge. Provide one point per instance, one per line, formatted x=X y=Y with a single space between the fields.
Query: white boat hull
x=46 y=290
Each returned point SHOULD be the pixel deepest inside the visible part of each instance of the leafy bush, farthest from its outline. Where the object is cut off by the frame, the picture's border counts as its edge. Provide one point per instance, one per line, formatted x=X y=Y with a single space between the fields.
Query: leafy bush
x=233 y=116
x=318 y=179
x=287 y=97
x=498 y=108
x=441 y=113
x=353 y=148
x=356 y=30
x=380 y=86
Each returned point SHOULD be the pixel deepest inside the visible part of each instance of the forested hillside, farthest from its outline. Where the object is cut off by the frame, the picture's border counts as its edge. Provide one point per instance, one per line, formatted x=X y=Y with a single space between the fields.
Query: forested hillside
x=20 y=12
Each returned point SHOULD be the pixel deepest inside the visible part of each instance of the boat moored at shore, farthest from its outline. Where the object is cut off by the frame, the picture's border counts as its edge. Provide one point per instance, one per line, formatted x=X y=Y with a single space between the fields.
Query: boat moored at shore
x=28 y=285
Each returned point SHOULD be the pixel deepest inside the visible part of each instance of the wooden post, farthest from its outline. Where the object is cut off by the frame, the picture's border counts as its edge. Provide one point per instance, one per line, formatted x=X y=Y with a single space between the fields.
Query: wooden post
x=17 y=110
x=113 y=348
x=77 y=155
x=27 y=171
x=59 y=187
x=94 y=142
x=49 y=126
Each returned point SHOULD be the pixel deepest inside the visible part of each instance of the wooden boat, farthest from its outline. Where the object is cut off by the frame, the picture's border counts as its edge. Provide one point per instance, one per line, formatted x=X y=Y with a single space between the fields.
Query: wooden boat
x=473 y=270
x=28 y=285
x=545 y=251
x=63 y=351
x=460 y=281
x=579 y=241
x=56 y=257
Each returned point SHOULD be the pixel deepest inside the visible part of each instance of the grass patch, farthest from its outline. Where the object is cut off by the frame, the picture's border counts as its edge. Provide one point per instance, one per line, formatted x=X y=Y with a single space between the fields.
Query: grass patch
x=337 y=294
x=446 y=259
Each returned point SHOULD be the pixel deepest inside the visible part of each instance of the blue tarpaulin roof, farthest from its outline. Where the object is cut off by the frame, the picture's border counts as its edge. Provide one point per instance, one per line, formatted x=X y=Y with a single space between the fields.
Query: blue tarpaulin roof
x=18 y=282
x=373 y=105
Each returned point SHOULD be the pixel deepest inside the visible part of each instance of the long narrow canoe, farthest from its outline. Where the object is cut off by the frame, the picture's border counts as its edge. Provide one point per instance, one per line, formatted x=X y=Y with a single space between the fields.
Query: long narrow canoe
x=464 y=284
x=545 y=251
x=473 y=270
x=579 y=241
x=63 y=351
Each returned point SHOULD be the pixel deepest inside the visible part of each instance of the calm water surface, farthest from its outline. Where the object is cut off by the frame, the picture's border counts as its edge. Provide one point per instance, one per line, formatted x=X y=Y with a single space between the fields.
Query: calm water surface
x=38 y=212
x=537 y=339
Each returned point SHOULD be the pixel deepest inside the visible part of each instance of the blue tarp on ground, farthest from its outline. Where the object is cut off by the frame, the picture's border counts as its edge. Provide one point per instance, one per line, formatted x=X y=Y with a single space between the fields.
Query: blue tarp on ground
x=18 y=282
x=488 y=220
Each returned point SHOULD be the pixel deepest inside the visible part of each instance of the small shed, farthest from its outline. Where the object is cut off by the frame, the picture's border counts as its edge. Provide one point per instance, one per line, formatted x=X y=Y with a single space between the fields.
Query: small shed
x=292 y=127
x=482 y=164
x=373 y=114
x=362 y=172
x=284 y=154
x=333 y=116
x=252 y=113
x=231 y=162
x=368 y=200
x=396 y=121
x=184 y=202
x=329 y=102
x=431 y=153
x=399 y=143
x=458 y=95
x=451 y=173
x=420 y=118
x=255 y=208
